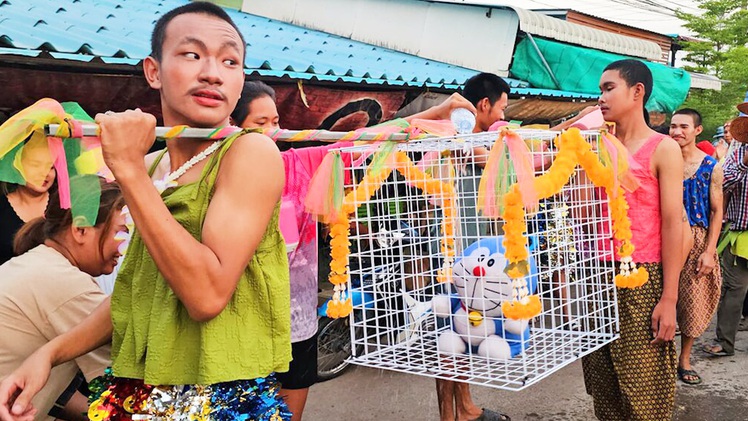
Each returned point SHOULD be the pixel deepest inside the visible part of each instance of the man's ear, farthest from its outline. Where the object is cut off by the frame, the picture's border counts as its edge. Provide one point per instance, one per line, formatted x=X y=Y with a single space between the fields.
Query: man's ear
x=699 y=129
x=639 y=91
x=151 y=70
x=484 y=105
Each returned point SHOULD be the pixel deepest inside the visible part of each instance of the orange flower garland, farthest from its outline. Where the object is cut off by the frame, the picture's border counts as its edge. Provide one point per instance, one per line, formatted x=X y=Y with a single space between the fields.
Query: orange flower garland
x=340 y=245
x=572 y=149
x=340 y=305
x=630 y=276
x=339 y=249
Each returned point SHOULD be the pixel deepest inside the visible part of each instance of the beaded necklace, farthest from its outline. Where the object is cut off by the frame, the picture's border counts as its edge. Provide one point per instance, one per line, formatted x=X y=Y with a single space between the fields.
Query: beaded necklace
x=170 y=179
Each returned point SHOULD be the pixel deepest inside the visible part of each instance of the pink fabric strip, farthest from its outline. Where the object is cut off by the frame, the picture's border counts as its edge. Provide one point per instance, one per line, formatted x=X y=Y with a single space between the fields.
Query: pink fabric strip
x=613 y=152
x=523 y=167
x=366 y=154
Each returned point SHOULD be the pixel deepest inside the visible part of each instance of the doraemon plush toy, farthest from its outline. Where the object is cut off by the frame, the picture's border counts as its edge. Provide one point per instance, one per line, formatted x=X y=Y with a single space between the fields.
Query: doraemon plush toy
x=477 y=322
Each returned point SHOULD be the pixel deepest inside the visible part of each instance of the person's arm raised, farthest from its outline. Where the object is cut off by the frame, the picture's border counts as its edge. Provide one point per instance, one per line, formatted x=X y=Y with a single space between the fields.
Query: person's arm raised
x=669 y=168
x=568 y=123
x=444 y=110
x=17 y=389
x=202 y=274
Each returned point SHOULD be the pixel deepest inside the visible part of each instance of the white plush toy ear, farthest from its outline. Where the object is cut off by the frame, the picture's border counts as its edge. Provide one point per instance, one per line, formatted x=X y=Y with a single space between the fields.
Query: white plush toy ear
x=516 y=326
x=495 y=347
x=450 y=342
x=442 y=305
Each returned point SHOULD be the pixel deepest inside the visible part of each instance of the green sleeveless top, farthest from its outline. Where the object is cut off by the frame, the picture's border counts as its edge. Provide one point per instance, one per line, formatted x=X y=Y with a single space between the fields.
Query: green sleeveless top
x=154 y=338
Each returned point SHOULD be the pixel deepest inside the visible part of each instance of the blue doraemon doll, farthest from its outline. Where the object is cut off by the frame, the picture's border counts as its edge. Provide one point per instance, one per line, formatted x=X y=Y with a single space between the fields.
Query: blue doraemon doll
x=481 y=286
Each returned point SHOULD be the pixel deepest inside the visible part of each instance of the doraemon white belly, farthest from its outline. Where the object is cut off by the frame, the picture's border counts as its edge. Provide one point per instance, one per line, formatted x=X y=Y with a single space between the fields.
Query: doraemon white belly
x=472 y=333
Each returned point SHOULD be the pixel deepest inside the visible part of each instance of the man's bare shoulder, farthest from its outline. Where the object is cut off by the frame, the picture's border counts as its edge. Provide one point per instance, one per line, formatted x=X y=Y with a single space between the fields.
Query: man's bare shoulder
x=253 y=153
x=699 y=157
x=255 y=147
x=667 y=147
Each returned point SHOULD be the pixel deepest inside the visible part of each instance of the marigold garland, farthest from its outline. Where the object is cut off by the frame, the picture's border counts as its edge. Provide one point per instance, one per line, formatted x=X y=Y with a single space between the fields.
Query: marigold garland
x=573 y=149
x=340 y=306
x=526 y=308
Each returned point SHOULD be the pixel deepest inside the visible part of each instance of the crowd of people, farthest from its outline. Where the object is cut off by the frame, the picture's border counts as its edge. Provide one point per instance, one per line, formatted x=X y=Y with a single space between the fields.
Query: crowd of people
x=198 y=321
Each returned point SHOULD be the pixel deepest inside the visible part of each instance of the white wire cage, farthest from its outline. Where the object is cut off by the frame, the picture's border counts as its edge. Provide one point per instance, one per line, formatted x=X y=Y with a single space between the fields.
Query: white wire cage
x=407 y=321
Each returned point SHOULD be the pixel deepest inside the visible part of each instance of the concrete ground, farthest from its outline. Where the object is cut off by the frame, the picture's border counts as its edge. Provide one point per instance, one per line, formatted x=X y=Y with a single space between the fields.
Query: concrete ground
x=369 y=394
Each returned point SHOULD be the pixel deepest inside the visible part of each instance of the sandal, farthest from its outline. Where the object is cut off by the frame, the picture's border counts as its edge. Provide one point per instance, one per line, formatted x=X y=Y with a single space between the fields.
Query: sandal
x=716 y=350
x=489 y=415
x=688 y=376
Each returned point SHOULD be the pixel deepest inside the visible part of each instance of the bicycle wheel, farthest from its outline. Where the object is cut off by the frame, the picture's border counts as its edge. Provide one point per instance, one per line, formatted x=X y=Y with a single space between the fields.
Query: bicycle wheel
x=333 y=347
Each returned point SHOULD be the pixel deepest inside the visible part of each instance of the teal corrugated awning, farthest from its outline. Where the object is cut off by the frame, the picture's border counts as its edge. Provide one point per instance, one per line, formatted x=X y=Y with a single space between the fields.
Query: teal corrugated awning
x=578 y=69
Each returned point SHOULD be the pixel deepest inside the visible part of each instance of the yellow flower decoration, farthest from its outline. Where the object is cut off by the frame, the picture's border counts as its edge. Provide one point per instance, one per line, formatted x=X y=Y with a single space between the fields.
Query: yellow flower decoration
x=340 y=306
x=526 y=308
x=573 y=149
x=515 y=273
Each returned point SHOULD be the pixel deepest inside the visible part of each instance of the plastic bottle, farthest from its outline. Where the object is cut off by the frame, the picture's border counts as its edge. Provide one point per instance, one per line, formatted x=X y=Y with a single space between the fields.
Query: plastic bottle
x=463 y=120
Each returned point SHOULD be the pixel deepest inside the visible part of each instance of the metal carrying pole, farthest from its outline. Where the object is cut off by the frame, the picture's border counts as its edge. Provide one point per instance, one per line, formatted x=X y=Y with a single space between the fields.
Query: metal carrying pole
x=275 y=134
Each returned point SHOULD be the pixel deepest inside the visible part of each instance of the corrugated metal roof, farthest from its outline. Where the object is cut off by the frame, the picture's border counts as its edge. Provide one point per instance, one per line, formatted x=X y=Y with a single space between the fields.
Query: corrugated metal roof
x=539 y=24
x=118 y=32
x=536 y=23
x=121 y=29
x=526 y=110
x=702 y=81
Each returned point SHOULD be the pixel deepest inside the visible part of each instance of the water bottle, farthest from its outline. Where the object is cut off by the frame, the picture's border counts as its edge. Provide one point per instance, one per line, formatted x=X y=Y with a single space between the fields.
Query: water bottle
x=463 y=120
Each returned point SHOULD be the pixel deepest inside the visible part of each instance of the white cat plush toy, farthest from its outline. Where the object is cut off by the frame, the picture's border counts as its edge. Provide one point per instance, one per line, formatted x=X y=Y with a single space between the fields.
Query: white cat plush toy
x=478 y=325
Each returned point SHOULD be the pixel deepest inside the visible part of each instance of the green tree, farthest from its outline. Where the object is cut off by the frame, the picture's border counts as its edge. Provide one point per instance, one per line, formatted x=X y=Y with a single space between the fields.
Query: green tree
x=722 y=31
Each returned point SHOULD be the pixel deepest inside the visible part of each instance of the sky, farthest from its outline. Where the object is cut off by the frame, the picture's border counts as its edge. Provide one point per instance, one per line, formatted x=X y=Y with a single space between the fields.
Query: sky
x=654 y=15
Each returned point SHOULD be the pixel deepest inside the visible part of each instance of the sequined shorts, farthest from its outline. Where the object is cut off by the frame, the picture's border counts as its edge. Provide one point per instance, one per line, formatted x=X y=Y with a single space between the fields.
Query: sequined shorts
x=114 y=398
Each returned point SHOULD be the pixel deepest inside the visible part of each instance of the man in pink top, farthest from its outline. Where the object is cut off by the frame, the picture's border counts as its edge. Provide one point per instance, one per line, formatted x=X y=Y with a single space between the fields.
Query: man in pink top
x=633 y=378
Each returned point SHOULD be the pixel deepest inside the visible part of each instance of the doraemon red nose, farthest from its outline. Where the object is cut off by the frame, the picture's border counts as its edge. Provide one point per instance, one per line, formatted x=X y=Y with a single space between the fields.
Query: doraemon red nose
x=479 y=271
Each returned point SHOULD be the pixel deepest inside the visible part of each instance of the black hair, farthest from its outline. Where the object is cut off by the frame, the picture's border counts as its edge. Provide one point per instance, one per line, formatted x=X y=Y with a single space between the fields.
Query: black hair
x=485 y=85
x=252 y=90
x=633 y=72
x=693 y=113
x=7 y=188
x=57 y=219
x=199 y=7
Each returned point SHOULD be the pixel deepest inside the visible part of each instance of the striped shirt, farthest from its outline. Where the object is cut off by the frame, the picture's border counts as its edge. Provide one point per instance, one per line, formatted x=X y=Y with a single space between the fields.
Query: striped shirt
x=736 y=186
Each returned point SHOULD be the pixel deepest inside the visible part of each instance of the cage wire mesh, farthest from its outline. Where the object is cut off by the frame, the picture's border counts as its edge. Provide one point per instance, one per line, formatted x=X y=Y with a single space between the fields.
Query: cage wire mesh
x=396 y=252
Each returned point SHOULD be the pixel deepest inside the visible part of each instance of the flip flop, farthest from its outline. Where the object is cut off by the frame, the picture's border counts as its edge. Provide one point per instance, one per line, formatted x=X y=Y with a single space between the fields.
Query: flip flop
x=489 y=415
x=712 y=350
x=683 y=373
